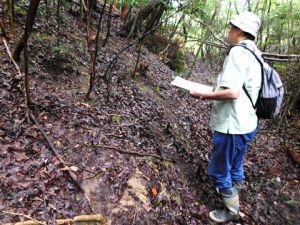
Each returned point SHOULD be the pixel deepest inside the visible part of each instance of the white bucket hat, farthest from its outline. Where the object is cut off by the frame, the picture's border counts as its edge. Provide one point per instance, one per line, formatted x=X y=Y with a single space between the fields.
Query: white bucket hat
x=247 y=22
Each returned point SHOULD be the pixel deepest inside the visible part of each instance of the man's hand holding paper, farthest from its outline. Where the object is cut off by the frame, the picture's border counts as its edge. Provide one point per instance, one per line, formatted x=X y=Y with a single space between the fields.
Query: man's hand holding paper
x=196 y=89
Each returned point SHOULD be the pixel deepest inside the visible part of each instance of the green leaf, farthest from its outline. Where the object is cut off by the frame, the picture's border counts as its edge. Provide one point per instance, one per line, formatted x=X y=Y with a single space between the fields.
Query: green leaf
x=77 y=198
x=291 y=202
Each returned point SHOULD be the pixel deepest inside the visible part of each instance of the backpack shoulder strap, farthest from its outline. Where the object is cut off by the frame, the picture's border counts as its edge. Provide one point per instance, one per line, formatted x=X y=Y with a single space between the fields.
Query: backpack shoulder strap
x=262 y=72
x=260 y=60
x=248 y=95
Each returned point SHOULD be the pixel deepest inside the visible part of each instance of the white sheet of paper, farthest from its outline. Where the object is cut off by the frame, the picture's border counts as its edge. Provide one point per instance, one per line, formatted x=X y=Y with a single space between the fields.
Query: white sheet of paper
x=189 y=85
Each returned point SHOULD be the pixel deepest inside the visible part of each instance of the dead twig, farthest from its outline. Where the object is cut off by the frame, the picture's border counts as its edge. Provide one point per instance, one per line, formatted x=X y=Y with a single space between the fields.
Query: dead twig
x=114 y=135
x=134 y=153
x=11 y=57
x=94 y=174
x=210 y=31
x=122 y=114
x=82 y=168
x=50 y=205
x=72 y=175
x=23 y=215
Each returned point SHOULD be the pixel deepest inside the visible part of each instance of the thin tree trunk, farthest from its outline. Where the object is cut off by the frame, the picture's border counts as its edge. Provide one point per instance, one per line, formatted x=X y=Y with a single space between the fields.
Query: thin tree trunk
x=26 y=81
x=236 y=8
x=94 y=56
x=137 y=61
x=58 y=21
x=47 y=10
x=90 y=51
x=249 y=5
x=133 y=26
x=256 y=7
x=81 y=8
x=11 y=17
x=268 y=27
x=155 y=17
x=124 y=10
x=194 y=62
x=31 y=13
x=2 y=20
x=108 y=25
x=3 y=31
x=171 y=37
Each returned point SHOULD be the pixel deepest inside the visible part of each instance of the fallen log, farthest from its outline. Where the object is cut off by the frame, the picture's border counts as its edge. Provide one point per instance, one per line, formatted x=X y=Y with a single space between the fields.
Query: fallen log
x=95 y=219
x=266 y=55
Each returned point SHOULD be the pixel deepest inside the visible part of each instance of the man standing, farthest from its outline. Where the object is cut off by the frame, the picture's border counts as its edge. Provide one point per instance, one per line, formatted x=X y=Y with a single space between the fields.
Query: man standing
x=233 y=117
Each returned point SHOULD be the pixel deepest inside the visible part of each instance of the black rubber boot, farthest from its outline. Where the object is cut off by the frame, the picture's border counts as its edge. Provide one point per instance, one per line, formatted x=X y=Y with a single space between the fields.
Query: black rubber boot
x=230 y=198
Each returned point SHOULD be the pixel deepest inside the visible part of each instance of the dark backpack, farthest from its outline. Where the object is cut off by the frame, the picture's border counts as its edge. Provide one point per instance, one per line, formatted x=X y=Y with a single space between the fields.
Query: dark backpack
x=270 y=95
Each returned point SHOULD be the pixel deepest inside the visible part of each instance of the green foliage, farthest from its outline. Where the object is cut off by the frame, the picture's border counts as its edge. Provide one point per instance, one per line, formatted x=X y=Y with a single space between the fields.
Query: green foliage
x=135 y=2
x=116 y=119
x=291 y=202
x=66 y=3
x=20 y=8
x=280 y=29
x=180 y=63
x=157 y=89
x=38 y=40
x=61 y=51
x=170 y=51
x=77 y=198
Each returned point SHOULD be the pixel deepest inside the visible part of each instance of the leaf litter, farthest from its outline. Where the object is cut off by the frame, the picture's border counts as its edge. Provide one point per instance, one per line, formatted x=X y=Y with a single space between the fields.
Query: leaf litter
x=139 y=118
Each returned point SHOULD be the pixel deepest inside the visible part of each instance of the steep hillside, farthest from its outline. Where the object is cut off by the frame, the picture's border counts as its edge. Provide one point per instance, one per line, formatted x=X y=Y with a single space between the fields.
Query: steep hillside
x=141 y=157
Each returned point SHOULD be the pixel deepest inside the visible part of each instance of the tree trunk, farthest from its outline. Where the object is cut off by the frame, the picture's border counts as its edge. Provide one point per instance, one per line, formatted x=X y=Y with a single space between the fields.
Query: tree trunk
x=249 y=5
x=31 y=13
x=189 y=73
x=108 y=24
x=152 y=10
x=155 y=17
x=124 y=10
x=58 y=21
x=11 y=17
x=94 y=55
x=27 y=89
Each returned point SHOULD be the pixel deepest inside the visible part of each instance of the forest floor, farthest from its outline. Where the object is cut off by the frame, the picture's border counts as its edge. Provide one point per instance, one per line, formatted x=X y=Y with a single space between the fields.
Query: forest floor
x=167 y=183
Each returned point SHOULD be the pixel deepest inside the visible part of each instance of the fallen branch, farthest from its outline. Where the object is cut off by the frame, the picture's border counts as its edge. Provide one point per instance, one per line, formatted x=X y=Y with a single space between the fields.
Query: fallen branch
x=281 y=60
x=57 y=155
x=72 y=175
x=114 y=135
x=11 y=58
x=134 y=153
x=267 y=56
x=23 y=215
x=81 y=219
x=280 y=55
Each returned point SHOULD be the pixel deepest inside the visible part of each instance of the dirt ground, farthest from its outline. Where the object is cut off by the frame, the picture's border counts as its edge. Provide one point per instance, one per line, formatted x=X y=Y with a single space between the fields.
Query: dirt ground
x=166 y=182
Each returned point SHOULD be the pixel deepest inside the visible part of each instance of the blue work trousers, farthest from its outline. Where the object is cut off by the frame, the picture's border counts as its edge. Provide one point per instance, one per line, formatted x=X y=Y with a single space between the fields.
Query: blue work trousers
x=228 y=156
